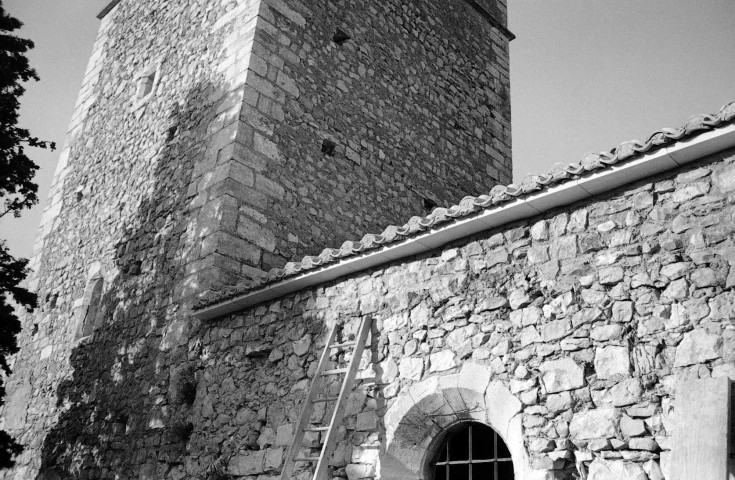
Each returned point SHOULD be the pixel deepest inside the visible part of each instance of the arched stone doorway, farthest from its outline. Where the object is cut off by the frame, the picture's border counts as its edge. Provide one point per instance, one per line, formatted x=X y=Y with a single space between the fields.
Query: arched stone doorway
x=422 y=413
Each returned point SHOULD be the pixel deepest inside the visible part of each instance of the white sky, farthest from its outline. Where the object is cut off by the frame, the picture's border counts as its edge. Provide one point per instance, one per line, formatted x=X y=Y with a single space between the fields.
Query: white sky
x=585 y=76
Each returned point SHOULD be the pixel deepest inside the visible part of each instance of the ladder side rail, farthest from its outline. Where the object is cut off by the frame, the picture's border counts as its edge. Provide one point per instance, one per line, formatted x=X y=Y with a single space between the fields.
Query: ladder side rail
x=339 y=408
x=308 y=408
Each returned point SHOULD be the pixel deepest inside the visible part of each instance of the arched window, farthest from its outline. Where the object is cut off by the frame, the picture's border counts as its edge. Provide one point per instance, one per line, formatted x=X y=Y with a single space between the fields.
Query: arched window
x=472 y=451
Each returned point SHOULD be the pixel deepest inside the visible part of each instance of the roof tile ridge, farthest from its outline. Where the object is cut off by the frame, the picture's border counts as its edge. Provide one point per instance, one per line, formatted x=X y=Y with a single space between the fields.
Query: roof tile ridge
x=499 y=194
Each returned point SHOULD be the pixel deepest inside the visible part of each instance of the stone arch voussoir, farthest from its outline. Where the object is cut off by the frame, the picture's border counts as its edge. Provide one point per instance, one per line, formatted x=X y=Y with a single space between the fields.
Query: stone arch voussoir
x=422 y=412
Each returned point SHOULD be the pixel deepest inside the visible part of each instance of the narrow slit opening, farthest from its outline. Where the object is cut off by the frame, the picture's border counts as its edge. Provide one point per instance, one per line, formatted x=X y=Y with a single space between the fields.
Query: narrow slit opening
x=328 y=147
x=340 y=36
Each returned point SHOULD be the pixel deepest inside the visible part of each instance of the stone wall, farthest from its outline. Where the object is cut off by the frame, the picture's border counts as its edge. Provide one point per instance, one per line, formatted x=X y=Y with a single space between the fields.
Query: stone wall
x=120 y=205
x=187 y=157
x=568 y=333
x=576 y=326
x=338 y=137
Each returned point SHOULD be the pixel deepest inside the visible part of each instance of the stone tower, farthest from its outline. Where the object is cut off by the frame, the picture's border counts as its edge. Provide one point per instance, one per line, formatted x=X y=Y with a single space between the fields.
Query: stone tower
x=213 y=140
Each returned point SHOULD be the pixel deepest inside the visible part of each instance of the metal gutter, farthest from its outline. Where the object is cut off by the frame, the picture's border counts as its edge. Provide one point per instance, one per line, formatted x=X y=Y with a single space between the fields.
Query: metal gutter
x=569 y=192
x=107 y=9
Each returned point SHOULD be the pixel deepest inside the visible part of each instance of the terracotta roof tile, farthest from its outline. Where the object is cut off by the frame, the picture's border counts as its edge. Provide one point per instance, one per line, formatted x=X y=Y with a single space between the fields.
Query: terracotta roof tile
x=498 y=195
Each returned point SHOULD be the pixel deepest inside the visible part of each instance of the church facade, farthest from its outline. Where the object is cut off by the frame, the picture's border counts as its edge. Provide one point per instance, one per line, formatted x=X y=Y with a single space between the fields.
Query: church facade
x=579 y=324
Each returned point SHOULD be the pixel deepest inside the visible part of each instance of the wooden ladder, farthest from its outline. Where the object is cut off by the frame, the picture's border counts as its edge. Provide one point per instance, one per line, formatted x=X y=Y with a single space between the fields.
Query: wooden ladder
x=356 y=346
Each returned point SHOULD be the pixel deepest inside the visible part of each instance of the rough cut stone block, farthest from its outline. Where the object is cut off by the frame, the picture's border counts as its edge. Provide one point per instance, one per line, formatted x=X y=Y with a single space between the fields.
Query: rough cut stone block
x=611 y=275
x=176 y=333
x=648 y=444
x=16 y=406
x=357 y=471
x=247 y=463
x=366 y=421
x=367 y=455
x=491 y=303
x=518 y=299
x=725 y=179
x=601 y=469
x=632 y=427
x=272 y=459
x=626 y=392
x=561 y=375
x=599 y=423
x=538 y=254
x=284 y=434
x=507 y=406
x=442 y=361
x=622 y=312
x=722 y=306
x=697 y=346
x=705 y=277
x=605 y=333
x=611 y=362
x=540 y=230
x=585 y=315
x=555 y=330
x=300 y=347
x=559 y=402
x=653 y=470
x=529 y=335
x=674 y=271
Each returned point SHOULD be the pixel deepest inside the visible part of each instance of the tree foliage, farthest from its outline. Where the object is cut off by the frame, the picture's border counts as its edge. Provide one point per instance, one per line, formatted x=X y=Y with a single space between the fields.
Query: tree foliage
x=12 y=272
x=17 y=188
x=17 y=191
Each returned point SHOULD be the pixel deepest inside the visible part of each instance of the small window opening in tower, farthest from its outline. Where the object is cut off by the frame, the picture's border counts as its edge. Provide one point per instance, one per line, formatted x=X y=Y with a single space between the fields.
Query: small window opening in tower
x=429 y=204
x=340 y=36
x=171 y=133
x=328 y=147
x=472 y=451
x=146 y=86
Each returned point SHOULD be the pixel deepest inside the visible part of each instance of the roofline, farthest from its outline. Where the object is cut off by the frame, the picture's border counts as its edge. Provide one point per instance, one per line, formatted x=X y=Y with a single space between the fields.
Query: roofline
x=491 y=20
x=478 y=8
x=107 y=9
x=566 y=193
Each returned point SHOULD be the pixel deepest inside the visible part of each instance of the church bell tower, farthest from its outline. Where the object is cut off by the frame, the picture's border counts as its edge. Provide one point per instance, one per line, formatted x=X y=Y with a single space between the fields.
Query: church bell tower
x=213 y=140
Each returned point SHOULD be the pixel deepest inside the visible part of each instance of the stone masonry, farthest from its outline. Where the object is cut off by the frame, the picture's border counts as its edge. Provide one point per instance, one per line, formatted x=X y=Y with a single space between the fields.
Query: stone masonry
x=211 y=141
x=575 y=325
x=345 y=107
x=589 y=316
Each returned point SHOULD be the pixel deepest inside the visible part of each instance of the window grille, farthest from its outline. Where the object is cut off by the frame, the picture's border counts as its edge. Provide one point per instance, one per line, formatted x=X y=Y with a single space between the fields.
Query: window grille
x=472 y=451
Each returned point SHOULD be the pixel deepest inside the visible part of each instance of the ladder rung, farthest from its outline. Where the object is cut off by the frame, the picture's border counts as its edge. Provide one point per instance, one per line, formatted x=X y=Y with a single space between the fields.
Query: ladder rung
x=326 y=399
x=316 y=429
x=371 y=382
x=306 y=459
x=331 y=362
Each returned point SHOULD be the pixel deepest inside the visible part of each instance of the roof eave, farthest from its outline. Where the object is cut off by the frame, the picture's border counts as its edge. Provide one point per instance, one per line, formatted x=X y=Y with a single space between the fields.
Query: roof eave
x=566 y=193
x=107 y=9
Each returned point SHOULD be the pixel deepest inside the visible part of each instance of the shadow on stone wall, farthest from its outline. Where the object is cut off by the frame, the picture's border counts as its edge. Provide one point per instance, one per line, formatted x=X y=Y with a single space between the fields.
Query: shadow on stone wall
x=118 y=410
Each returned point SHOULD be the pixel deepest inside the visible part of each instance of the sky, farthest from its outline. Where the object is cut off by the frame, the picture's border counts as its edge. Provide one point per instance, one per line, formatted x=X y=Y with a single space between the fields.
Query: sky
x=586 y=75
